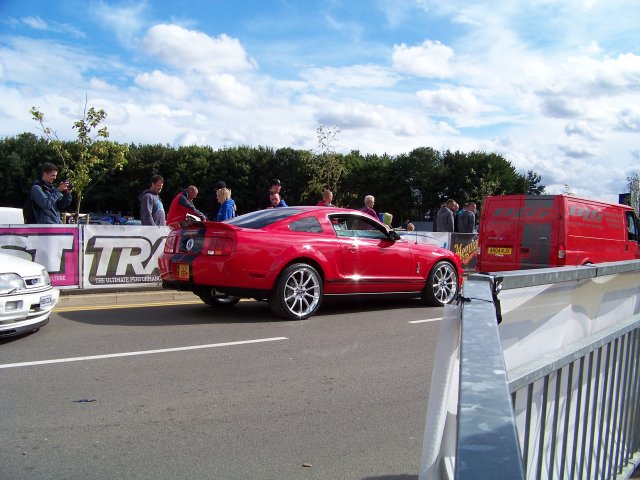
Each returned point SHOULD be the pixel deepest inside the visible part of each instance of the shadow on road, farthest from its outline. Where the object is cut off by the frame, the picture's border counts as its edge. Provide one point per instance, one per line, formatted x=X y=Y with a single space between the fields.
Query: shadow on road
x=13 y=338
x=244 y=312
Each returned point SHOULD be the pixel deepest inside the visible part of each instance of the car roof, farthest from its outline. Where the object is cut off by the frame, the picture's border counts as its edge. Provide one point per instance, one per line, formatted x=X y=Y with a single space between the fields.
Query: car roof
x=274 y=216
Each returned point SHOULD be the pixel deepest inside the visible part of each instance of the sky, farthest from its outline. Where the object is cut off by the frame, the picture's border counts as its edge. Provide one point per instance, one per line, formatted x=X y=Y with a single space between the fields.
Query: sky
x=553 y=86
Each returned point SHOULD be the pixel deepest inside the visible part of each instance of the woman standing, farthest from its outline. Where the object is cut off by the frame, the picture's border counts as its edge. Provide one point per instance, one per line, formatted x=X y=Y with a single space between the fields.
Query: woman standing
x=227 y=208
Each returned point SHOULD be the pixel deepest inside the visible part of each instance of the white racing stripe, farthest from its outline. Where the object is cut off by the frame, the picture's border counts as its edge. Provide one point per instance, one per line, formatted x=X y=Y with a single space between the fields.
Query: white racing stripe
x=143 y=352
x=426 y=320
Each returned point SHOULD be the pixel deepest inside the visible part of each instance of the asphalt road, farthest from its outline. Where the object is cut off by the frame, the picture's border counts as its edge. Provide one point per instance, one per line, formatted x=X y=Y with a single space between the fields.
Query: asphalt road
x=120 y=395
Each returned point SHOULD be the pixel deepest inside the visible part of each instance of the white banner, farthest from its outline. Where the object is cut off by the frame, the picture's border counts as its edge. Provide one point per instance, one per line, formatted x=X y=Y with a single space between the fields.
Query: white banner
x=125 y=255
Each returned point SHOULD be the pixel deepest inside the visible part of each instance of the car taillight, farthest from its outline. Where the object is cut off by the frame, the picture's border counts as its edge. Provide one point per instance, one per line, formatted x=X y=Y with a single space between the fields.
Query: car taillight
x=562 y=254
x=217 y=246
x=170 y=244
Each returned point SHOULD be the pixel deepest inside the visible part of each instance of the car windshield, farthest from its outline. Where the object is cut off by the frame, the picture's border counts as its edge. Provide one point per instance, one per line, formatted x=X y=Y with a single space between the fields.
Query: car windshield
x=262 y=218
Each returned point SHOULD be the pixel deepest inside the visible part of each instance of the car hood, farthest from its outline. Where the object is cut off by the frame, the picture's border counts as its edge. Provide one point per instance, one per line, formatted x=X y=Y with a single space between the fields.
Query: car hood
x=21 y=266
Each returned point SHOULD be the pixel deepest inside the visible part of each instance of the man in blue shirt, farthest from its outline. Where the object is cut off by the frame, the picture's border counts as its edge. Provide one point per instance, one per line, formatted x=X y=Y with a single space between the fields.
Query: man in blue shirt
x=276 y=201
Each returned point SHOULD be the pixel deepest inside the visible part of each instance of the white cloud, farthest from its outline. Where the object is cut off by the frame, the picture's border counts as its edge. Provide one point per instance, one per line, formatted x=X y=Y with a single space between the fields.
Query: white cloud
x=124 y=21
x=558 y=106
x=355 y=76
x=99 y=84
x=584 y=129
x=191 y=50
x=25 y=61
x=361 y=117
x=35 y=22
x=448 y=101
x=38 y=23
x=629 y=120
x=226 y=88
x=577 y=150
x=189 y=137
x=169 y=85
x=587 y=76
x=430 y=59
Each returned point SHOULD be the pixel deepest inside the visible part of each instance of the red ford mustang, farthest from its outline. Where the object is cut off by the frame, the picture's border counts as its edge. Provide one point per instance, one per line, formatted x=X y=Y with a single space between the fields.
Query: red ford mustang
x=294 y=256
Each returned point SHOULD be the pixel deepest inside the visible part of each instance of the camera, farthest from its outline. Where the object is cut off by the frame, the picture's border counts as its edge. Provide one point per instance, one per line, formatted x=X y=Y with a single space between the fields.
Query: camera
x=69 y=184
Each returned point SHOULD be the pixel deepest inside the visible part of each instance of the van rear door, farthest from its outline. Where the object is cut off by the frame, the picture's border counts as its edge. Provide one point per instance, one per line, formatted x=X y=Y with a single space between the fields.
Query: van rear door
x=518 y=232
x=538 y=225
x=499 y=234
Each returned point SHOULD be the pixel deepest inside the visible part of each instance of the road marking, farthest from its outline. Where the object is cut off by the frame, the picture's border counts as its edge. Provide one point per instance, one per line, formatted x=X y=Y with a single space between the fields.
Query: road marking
x=143 y=352
x=426 y=320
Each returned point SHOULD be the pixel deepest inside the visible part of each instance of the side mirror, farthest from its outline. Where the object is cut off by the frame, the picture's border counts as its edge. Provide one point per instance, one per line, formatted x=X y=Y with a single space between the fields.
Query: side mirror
x=393 y=235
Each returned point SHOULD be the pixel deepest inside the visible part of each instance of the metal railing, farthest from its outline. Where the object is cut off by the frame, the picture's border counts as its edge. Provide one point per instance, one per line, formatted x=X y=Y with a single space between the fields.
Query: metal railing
x=573 y=412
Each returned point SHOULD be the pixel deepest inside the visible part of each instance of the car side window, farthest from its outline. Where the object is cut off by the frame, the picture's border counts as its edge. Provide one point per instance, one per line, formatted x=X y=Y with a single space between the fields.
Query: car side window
x=358 y=227
x=309 y=224
x=632 y=227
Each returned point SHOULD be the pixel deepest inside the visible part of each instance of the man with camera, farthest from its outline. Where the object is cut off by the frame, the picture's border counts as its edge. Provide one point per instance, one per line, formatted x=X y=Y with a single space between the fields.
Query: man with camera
x=48 y=200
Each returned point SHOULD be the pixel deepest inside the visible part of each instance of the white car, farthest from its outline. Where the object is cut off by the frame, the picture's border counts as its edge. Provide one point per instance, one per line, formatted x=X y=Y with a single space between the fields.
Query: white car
x=26 y=296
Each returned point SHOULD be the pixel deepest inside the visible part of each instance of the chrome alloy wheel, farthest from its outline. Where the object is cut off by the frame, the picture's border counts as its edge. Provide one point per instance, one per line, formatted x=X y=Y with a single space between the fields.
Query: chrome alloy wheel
x=444 y=282
x=302 y=291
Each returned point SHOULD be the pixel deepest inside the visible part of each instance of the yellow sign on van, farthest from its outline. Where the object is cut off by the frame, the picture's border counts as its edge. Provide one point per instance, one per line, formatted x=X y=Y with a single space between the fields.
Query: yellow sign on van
x=499 y=251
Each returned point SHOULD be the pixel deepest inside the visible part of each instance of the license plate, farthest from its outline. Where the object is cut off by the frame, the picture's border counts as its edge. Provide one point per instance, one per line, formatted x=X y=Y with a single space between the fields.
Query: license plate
x=46 y=300
x=499 y=251
x=183 y=272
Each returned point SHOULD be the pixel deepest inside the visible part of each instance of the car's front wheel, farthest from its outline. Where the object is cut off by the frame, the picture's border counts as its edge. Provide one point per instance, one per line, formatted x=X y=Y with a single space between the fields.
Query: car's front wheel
x=442 y=284
x=211 y=298
x=297 y=293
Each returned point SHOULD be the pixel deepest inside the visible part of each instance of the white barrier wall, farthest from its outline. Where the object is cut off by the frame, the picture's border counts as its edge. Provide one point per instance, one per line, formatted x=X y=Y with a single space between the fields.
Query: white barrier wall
x=92 y=256
x=540 y=324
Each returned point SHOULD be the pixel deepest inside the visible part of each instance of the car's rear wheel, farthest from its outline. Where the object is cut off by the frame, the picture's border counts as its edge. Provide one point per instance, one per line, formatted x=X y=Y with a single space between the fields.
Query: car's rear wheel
x=442 y=284
x=297 y=293
x=214 y=299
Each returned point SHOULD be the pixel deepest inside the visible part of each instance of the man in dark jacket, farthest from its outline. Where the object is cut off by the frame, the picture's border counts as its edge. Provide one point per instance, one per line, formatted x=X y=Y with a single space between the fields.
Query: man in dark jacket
x=274 y=187
x=151 y=208
x=47 y=200
x=445 y=220
x=467 y=218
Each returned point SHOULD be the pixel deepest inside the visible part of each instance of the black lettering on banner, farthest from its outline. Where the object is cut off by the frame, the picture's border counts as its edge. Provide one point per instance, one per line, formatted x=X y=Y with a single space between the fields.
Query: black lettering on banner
x=112 y=260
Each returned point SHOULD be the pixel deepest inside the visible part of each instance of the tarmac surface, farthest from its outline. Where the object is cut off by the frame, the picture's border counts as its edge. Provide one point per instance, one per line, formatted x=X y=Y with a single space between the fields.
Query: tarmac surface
x=79 y=298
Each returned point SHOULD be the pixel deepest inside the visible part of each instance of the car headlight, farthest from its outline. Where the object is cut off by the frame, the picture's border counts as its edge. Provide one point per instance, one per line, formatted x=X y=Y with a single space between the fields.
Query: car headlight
x=45 y=277
x=10 y=282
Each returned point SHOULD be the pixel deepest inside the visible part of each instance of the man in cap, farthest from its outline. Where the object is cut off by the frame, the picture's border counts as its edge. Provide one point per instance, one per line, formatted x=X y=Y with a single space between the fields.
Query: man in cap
x=274 y=187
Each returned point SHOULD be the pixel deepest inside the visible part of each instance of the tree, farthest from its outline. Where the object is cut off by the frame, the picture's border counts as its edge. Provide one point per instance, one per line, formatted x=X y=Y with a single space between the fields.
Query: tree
x=533 y=183
x=22 y=159
x=634 y=192
x=326 y=167
x=86 y=160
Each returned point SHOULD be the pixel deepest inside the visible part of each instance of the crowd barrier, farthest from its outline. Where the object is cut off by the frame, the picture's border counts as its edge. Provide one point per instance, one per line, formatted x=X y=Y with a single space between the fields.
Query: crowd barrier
x=108 y=256
x=90 y=256
x=537 y=375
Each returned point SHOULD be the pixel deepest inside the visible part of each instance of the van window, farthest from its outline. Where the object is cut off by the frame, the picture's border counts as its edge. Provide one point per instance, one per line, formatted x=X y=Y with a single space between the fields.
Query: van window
x=632 y=229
